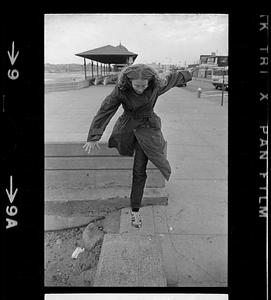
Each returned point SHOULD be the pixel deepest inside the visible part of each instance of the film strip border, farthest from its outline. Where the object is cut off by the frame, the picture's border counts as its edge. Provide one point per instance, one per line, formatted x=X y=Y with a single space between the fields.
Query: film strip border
x=263 y=90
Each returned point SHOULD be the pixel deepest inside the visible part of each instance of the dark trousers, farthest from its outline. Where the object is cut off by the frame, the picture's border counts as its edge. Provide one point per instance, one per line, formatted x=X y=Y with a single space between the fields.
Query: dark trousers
x=139 y=176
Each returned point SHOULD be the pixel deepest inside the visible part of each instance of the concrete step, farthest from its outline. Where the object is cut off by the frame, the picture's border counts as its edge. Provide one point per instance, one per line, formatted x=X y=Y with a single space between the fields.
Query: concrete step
x=91 y=162
x=67 y=202
x=56 y=179
x=53 y=149
x=67 y=165
x=92 y=194
x=75 y=149
x=153 y=221
x=78 y=182
x=130 y=260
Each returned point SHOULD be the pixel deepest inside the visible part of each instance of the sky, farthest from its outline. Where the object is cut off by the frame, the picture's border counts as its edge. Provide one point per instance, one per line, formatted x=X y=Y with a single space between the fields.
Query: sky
x=136 y=297
x=166 y=38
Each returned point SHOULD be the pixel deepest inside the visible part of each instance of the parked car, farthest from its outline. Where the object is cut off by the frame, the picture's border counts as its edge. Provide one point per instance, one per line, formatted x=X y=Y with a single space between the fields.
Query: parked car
x=220 y=78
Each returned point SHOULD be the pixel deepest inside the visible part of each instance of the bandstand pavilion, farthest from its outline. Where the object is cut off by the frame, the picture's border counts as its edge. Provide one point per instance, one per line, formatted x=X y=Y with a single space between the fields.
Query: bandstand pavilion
x=106 y=56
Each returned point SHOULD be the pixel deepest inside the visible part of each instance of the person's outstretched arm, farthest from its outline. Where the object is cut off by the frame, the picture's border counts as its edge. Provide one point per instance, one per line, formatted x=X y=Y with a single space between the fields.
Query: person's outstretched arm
x=175 y=79
x=105 y=113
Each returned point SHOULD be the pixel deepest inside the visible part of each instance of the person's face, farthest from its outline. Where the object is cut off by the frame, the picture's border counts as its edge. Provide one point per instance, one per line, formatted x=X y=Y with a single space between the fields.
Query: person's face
x=139 y=85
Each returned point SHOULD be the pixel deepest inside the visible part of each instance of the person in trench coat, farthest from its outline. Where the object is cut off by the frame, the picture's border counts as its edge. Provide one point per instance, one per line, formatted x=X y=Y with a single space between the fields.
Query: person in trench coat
x=137 y=132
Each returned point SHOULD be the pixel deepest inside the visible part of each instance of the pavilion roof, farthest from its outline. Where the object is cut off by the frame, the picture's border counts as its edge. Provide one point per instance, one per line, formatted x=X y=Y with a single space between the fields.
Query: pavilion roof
x=109 y=54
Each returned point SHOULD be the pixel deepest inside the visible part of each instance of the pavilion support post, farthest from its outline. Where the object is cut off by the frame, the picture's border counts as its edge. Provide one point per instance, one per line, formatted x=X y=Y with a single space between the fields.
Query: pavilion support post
x=92 y=68
x=97 y=66
x=85 y=69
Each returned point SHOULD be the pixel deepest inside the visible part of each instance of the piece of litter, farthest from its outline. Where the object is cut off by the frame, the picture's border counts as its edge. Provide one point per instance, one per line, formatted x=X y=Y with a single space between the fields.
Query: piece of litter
x=170 y=228
x=77 y=251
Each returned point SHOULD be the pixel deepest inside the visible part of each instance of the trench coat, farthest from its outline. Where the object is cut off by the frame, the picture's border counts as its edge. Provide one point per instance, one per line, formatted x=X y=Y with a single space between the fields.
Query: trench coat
x=138 y=121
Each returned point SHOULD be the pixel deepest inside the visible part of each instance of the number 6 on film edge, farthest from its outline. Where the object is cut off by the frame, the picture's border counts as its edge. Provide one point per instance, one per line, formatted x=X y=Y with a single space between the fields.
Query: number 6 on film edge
x=13 y=74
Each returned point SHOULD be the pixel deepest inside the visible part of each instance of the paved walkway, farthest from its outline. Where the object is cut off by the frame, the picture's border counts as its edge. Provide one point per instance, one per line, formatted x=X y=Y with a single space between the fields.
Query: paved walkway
x=193 y=227
x=194 y=230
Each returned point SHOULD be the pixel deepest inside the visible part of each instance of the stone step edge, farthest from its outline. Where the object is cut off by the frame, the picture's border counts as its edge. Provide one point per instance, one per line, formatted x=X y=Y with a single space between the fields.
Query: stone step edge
x=106 y=193
x=74 y=213
x=74 y=148
x=54 y=222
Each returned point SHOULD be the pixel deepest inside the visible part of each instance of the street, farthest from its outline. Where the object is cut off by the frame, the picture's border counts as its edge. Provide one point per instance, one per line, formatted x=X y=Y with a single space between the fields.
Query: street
x=208 y=91
x=204 y=84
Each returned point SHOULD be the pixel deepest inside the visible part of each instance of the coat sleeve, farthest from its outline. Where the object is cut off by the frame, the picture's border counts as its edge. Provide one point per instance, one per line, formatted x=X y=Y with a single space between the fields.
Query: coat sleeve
x=175 y=79
x=105 y=113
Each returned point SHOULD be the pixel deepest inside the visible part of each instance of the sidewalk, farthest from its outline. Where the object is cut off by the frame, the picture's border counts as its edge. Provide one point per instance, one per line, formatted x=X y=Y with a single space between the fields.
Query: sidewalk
x=193 y=232
x=192 y=229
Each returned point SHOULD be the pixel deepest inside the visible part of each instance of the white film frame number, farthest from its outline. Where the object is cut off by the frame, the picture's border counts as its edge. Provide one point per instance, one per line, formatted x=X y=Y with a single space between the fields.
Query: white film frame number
x=11 y=210
x=13 y=74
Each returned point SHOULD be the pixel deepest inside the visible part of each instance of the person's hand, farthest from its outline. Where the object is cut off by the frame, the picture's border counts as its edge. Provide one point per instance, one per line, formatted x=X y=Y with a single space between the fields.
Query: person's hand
x=90 y=146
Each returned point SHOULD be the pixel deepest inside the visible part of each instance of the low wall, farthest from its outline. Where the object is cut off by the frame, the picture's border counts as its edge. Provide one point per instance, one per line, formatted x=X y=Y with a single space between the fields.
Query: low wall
x=77 y=182
x=64 y=86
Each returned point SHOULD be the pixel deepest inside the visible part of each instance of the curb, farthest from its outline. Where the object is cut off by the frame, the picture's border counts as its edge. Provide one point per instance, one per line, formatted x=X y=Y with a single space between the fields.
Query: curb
x=56 y=222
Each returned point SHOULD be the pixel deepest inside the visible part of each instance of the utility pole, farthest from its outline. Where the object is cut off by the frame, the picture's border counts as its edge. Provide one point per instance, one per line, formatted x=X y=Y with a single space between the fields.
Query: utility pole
x=222 y=95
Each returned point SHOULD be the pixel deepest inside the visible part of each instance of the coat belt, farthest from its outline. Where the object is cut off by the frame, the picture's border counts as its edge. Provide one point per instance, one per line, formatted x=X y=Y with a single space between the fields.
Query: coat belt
x=136 y=115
